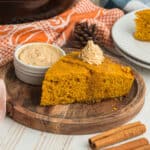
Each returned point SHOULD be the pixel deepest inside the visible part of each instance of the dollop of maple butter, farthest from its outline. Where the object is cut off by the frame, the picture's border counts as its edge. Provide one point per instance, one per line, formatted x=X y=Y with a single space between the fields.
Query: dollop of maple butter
x=39 y=55
x=92 y=54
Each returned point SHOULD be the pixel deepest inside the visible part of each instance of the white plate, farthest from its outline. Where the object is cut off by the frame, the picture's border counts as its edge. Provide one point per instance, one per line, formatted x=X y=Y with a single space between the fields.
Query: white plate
x=132 y=59
x=122 y=33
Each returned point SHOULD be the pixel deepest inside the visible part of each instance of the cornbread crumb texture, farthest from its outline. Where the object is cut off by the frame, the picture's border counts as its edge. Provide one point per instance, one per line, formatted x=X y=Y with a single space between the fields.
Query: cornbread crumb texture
x=142 y=29
x=72 y=80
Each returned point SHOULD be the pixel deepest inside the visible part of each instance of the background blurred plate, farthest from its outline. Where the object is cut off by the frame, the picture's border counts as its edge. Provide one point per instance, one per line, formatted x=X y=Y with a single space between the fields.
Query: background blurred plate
x=122 y=34
x=131 y=59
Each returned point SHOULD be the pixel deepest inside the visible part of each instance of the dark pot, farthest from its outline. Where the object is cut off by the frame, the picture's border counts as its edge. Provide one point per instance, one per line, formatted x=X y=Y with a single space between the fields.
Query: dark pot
x=20 y=11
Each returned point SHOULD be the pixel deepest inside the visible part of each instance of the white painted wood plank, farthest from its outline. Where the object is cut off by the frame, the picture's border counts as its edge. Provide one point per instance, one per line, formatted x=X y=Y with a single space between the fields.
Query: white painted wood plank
x=28 y=140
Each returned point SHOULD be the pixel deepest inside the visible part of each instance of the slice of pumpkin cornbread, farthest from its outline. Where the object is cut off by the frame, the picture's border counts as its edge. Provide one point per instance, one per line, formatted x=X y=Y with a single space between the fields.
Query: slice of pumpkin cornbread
x=71 y=80
x=142 y=25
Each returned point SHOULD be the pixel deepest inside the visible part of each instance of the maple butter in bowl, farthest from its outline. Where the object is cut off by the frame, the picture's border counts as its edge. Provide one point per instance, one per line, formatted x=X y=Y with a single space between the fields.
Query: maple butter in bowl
x=32 y=60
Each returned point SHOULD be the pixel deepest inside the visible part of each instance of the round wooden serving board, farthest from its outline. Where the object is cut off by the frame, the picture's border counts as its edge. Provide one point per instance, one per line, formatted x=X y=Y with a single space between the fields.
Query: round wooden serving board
x=23 y=106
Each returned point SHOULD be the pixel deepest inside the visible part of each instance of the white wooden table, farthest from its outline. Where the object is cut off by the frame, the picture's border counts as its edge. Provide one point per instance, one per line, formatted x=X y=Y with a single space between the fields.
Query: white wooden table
x=14 y=136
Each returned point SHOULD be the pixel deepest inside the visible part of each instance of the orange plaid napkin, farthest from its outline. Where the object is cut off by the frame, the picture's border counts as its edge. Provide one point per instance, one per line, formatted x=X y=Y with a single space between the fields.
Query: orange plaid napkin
x=58 y=29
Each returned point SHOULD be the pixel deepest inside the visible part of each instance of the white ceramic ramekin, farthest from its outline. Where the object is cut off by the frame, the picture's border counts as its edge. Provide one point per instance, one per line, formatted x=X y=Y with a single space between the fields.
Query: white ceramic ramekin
x=28 y=73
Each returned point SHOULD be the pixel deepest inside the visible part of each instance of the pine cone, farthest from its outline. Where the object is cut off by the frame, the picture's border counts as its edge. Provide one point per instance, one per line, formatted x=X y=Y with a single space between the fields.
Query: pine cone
x=83 y=33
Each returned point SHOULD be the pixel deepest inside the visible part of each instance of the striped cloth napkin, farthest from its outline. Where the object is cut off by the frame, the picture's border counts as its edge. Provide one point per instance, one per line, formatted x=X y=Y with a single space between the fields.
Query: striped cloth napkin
x=127 y=5
x=131 y=5
x=55 y=30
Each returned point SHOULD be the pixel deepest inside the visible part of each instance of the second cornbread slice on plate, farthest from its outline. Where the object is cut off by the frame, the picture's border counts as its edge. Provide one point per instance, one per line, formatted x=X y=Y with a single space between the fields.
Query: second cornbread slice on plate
x=142 y=25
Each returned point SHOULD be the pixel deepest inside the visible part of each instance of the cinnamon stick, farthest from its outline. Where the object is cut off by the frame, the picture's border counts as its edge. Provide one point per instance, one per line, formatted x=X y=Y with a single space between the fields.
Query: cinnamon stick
x=117 y=135
x=131 y=145
x=146 y=147
x=113 y=131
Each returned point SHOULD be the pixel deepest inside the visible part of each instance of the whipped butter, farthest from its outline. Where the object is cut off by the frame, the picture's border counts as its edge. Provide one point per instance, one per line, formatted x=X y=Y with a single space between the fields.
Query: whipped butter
x=92 y=54
x=39 y=55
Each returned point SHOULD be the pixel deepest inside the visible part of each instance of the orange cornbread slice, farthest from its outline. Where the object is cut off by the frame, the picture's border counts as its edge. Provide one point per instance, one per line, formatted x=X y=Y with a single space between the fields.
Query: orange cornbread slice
x=142 y=25
x=71 y=80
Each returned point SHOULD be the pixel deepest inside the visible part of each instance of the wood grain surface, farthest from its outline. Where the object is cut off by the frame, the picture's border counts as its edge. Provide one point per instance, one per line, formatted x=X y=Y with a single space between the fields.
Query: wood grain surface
x=23 y=107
